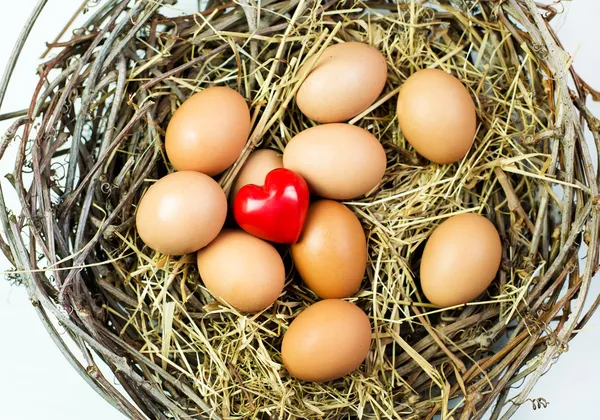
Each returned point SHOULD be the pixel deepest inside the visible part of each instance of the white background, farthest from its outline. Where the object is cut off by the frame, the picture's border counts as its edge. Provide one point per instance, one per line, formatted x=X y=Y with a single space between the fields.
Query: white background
x=37 y=383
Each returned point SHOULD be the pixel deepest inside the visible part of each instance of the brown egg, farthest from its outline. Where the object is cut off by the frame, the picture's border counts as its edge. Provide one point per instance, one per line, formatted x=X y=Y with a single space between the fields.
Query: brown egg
x=242 y=270
x=331 y=254
x=328 y=340
x=460 y=260
x=437 y=115
x=181 y=213
x=347 y=79
x=208 y=131
x=256 y=168
x=338 y=161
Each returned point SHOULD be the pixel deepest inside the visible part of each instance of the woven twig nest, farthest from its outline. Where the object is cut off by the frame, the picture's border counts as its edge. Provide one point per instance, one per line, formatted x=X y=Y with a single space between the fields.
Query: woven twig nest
x=92 y=143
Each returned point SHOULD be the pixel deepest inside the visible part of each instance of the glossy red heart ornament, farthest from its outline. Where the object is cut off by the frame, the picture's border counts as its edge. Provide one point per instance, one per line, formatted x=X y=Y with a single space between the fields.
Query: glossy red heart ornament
x=276 y=211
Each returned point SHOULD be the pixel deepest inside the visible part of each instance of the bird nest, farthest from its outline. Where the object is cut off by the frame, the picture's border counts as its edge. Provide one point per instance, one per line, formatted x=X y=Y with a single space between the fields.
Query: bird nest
x=92 y=142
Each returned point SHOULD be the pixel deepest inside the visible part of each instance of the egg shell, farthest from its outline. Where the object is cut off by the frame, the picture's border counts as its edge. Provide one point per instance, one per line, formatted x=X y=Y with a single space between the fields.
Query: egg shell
x=256 y=168
x=347 y=79
x=338 y=161
x=437 y=115
x=328 y=340
x=460 y=260
x=181 y=213
x=208 y=131
x=331 y=254
x=242 y=270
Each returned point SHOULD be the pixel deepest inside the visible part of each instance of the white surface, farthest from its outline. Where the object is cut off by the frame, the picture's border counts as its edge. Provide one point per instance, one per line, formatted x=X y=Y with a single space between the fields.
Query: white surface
x=37 y=383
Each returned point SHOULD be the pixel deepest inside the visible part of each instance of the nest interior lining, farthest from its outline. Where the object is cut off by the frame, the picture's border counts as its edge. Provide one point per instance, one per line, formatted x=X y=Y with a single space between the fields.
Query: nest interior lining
x=93 y=140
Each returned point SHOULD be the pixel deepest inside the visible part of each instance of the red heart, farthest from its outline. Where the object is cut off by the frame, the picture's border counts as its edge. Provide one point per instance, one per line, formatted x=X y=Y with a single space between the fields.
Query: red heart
x=275 y=212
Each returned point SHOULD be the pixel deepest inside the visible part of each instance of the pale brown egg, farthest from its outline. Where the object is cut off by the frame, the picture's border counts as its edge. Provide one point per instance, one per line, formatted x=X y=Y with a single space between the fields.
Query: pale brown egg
x=242 y=270
x=338 y=161
x=181 y=213
x=331 y=254
x=460 y=260
x=347 y=79
x=208 y=131
x=328 y=340
x=437 y=115
x=256 y=168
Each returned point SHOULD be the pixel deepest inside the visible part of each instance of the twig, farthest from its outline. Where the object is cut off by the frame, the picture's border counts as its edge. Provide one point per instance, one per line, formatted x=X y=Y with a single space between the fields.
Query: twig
x=513 y=201
x=16 y=52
